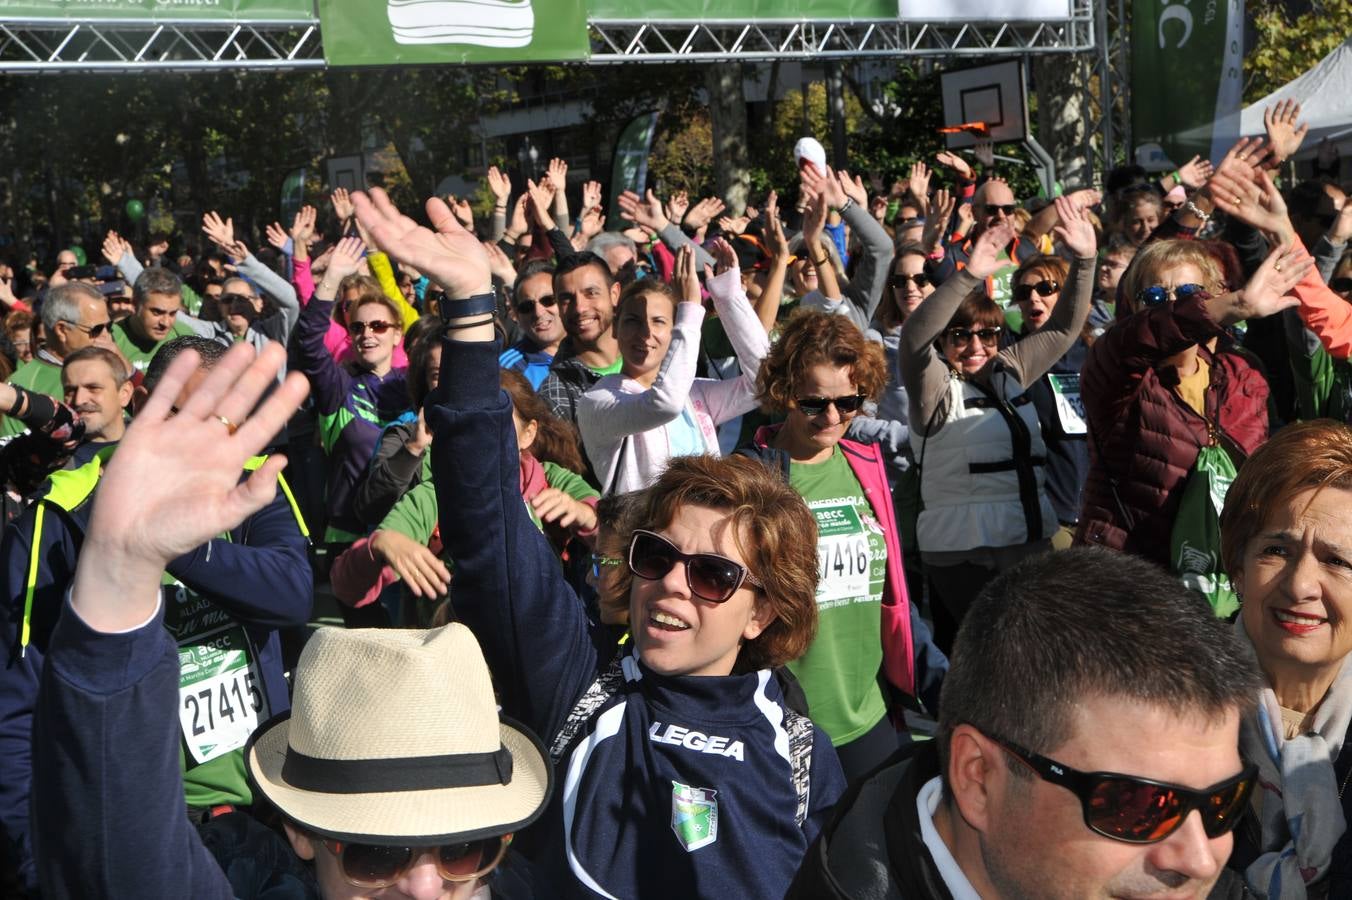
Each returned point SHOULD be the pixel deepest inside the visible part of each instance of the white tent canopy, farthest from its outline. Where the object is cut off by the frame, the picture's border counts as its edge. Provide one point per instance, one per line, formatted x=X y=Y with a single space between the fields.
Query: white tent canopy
x=1325 y=97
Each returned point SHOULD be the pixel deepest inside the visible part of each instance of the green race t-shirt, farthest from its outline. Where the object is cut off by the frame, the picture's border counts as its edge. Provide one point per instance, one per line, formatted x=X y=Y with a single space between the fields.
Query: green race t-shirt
x=140 y=351
x=612 y=369
x=839 y=672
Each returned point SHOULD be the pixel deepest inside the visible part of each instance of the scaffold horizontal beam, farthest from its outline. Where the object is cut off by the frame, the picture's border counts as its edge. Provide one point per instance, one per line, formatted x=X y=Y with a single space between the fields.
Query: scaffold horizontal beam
x=145 y=45
x=616 y=41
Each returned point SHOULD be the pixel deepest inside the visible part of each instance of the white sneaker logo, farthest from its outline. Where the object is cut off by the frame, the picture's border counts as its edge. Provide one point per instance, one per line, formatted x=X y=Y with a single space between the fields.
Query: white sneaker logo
x=484 y=23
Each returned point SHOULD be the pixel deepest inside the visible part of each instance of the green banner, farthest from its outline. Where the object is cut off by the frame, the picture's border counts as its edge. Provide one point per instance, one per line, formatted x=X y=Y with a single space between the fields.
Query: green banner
x=158 y=10
x=1186 y=65
x=630 y=170
x=386 y=32
x=660 y=10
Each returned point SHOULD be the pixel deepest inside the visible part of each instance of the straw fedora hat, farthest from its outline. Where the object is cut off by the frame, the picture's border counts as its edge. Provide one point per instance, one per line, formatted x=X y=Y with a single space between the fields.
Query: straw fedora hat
x=394 y=738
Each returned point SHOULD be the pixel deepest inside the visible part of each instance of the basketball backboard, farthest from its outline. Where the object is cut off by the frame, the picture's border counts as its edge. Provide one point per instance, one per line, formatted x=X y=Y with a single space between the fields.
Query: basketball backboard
x=993 y=94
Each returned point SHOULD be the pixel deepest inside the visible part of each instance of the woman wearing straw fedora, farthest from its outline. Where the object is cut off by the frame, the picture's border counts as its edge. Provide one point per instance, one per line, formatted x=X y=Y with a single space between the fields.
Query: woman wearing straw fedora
x=684 y=773
x=393 y=773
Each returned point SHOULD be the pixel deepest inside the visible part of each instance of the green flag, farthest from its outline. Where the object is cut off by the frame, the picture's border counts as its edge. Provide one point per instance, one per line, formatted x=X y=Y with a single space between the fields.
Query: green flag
x=1186 y=65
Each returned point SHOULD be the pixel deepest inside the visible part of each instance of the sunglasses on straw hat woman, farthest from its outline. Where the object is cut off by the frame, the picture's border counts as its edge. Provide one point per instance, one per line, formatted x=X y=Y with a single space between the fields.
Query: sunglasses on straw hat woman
x=684 y=770
x=394 y=775
x=1286 y=539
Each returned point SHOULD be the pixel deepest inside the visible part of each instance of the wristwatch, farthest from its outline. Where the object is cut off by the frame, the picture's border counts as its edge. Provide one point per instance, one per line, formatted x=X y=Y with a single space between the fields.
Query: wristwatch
x=467 y=306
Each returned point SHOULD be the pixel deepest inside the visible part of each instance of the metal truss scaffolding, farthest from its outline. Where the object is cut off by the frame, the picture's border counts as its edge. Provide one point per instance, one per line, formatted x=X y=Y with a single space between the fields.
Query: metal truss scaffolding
x=632 y=40
x=145 y=45
x=1110 y=99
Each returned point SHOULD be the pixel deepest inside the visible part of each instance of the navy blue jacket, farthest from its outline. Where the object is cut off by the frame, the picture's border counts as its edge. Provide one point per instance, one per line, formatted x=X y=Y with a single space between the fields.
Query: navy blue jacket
x=660 y=750
x=1067 y=454
x=261 y=577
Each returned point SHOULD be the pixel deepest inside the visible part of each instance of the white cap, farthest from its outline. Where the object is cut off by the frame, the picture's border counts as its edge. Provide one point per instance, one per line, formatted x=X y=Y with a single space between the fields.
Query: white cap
x=810 y=149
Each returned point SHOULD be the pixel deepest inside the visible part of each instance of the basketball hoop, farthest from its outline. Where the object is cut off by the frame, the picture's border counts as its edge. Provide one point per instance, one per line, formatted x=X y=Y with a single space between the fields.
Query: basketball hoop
x=980 y=129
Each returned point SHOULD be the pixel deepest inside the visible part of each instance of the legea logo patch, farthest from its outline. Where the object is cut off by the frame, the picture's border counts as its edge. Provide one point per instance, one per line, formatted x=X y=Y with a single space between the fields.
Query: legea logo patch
x=483 y=23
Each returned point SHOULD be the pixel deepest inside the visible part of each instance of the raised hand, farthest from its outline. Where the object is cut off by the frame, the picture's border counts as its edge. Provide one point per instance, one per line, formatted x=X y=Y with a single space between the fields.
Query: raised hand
x=984 y=151
x=1243 y=159
x=499 y=264
x=814 y=220
x=966 y=218
x=1195 y=172
x=703 y=212
x=222 y=234
x=419 y=568
x=500 y=184
x=775 y=240
x=1084 y=198
x=955 y=162
x=558 y=174
x=591 y=194
x=877 y=207
x=1284 y=130
x=175 y=481
x=592 y=222
x=1269 y=288
x=346 y=260
x=853 y=188
x=827 y=187
x=113 y=247
x=540 y=199
x=1256 y=202
x=277 y=235
x=984 y=259
x=517 y=225
x=646 y=212
x=1341 y=230
x=918 y=183
x=733 y=224
x=1075 y=229
x=725 y=257
x=342 y=204
x=303 y=226
x=464 y=214
x=451 y=256
x=684 y=277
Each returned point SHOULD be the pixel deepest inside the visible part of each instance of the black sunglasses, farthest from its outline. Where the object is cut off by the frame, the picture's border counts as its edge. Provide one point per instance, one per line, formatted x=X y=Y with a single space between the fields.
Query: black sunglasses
x=1006 y=208
x=357 y=329
x=1024 y=292
x=1158 y=295
x=1141 y=810
x=709 y=576
x=987 y=336
x=376 y=866
x=815 y=406
x=900 y=279
x=94 y=331
x=527 y=307
x=1341 y=285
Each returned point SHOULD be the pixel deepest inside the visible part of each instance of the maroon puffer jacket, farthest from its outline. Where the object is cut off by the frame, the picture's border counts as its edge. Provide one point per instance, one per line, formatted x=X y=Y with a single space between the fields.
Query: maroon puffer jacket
x=1143 y=439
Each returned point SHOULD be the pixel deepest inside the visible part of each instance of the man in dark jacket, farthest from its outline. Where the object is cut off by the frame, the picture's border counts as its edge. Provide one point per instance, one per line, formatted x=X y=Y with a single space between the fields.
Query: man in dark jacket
x=1052 y=690
x=224 y=603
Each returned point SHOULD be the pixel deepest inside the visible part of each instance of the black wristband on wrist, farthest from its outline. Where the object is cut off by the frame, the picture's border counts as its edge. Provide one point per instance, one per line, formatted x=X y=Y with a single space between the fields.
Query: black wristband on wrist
x=19 y=395
x=468 y=306
x=461 y=326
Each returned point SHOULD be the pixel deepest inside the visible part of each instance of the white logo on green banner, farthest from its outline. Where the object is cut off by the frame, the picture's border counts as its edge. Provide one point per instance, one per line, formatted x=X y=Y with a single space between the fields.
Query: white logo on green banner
x=483 y=23
x=694 y=815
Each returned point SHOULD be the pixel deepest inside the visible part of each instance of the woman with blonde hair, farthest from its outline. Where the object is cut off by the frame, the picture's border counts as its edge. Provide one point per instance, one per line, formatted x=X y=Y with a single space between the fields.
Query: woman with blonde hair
x=1286 y=531
x=1167 y=380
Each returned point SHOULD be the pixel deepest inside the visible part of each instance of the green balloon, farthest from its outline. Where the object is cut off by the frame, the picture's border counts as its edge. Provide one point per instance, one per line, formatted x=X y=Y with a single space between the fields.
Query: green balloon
x=79 y=254
x=136 y=210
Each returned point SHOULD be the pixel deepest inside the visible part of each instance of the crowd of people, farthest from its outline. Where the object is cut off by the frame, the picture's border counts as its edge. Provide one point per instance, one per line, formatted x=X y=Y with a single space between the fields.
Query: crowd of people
x=907 y=542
